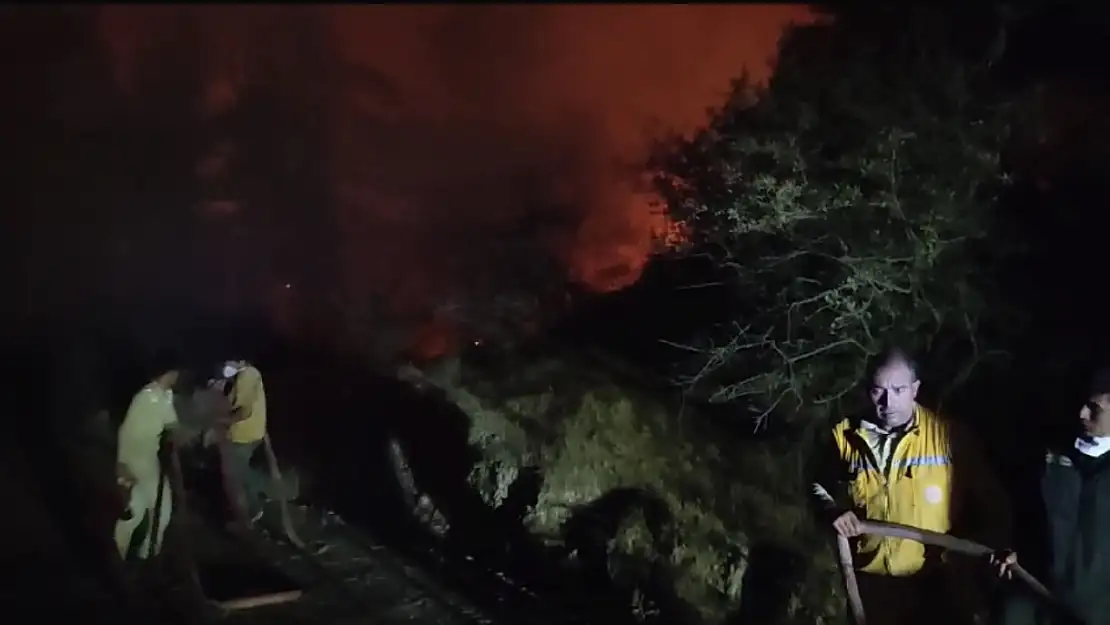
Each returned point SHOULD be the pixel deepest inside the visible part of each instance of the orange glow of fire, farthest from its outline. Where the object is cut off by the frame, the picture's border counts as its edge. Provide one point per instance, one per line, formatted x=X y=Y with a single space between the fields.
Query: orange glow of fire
x=603 y=265
x=620 y=87
x=673 y=234
x=433 y=340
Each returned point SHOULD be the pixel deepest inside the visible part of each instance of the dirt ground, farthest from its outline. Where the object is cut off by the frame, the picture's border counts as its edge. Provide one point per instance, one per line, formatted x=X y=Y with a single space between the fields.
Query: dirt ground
x=344 y=575
x=44 y=578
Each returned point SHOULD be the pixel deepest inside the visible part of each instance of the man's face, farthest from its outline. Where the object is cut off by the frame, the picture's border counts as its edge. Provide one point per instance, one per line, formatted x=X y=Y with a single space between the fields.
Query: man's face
x=170 y=378
x=893 y=392
x=1095 y=415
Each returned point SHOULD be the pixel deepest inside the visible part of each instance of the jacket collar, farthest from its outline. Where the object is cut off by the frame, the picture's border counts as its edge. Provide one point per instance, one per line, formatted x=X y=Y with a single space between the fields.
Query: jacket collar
x=919 y=414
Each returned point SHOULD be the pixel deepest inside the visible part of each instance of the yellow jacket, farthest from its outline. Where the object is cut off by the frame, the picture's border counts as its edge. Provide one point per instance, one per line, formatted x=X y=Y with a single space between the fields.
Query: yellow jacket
x=916 y=487
x=249 y=396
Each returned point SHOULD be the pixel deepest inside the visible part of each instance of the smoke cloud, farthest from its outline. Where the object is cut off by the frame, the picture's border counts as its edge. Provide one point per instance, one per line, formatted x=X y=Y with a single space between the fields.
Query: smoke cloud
x=467 y=141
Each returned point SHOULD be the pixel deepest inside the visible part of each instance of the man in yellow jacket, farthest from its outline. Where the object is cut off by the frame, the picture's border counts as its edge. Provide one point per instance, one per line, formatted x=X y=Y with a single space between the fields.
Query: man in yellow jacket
x=902 y=463
x=244 y=434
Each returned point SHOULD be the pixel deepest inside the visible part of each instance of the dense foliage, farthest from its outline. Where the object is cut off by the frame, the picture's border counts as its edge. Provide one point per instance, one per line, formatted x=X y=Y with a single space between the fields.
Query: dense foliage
x=645 y=508
x=852 y=200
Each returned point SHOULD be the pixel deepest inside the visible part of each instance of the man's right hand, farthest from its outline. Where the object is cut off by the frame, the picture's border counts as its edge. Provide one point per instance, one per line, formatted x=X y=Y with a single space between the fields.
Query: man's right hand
x=124 y=476
x=848 y=525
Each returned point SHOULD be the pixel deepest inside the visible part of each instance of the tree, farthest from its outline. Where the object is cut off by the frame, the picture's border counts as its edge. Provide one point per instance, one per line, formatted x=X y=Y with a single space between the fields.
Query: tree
x=851 y=200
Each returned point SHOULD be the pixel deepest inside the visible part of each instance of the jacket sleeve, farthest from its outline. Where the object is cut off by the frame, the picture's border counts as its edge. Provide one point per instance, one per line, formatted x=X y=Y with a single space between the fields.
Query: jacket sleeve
x=828 y=485
x=247 y=388
x=1030 y=515
x=138 y=435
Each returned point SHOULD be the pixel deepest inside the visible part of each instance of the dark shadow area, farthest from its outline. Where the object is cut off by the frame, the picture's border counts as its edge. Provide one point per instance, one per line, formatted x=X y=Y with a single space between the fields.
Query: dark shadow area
x=335 y=419
x=227 y=583
x=58 y=477
x=40 y=554
x=522 y=495
x=589 y=533
x=684 y=295
x=771 y=577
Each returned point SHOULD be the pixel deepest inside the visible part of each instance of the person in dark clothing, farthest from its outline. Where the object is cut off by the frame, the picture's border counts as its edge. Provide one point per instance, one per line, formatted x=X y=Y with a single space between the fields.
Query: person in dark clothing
x=1075 y=493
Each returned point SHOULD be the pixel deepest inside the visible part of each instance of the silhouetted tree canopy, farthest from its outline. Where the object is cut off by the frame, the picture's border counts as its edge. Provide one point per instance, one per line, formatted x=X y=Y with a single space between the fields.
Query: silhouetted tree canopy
x=853 y=199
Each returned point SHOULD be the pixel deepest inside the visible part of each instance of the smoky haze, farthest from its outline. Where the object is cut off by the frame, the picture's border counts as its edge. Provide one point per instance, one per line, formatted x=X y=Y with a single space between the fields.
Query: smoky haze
x=456 y=150
x=562 y=98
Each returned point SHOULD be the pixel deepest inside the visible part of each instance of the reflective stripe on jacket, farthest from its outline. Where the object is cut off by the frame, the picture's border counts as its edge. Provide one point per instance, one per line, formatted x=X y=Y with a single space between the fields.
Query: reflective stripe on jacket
x=912 y=489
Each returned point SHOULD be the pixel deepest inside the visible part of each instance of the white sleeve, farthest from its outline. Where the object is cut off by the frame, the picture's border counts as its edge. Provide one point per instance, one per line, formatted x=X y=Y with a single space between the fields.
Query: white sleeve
x=170 y=417
x=140 y=434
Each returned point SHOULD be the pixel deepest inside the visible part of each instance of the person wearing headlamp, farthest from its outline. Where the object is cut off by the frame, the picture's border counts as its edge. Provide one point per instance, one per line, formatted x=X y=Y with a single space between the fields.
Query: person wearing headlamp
x=245 y=430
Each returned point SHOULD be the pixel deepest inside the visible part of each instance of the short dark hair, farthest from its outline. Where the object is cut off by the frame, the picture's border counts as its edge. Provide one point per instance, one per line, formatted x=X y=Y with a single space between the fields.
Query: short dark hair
x=889 y=356
x=1100 y=382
